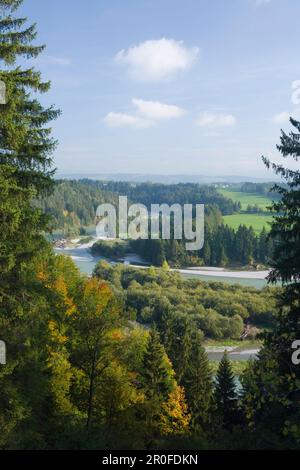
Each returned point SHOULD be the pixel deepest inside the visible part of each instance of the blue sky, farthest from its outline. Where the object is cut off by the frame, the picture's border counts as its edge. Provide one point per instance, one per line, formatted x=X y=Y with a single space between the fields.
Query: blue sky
x=169 y=86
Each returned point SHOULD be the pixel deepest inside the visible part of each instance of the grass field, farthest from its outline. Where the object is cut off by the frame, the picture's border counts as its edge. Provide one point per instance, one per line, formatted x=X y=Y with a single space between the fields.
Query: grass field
x=256 y=221
x=246 y=198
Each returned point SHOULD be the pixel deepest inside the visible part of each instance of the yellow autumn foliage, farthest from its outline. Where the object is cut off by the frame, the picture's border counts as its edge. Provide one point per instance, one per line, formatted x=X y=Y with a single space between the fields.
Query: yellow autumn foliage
x=175 y=418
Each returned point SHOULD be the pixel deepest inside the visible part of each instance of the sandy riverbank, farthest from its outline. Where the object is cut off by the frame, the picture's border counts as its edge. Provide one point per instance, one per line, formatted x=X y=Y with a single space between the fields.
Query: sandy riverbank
x=219 y=272
x=77 y=251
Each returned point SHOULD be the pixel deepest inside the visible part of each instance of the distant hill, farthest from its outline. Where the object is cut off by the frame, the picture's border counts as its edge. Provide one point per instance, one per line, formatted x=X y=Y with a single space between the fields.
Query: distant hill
x=165 y=179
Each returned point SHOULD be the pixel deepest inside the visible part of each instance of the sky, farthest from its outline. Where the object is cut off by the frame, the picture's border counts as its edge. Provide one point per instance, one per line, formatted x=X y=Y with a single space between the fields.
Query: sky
x=169 y=86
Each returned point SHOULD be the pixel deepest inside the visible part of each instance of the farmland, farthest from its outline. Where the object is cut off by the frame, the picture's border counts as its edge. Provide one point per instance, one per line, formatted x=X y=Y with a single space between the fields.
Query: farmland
x=246 y=199
x=256 y=221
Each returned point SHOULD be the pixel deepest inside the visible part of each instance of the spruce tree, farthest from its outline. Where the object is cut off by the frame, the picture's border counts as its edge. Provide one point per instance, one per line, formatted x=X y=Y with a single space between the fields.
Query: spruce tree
x=272 y=385
x=176 y=332
x=198 y=384
x=225 y=393
x=26 y=143
x=25 y=173
x=26 y=146
x=157 y=382
x=155 y=375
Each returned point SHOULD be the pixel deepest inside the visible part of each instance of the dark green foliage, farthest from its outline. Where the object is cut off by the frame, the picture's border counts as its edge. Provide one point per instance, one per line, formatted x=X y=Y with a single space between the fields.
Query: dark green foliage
x=198 y=384
x=155 y=375
x=222 y=246
x=286 y=226
x=116 y=249
x=188 y=193
x=225 y=394
x=176 y=331
x=272 y=383
x=263 y=189
x=73 y=204
x=25 y=172
x=26 y=146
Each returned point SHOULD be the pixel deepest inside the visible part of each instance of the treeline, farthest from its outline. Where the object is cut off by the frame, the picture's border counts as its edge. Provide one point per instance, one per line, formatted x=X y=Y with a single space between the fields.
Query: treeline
x=263 y=189
x=180 y=193
x=73 y=204
x=222 y=246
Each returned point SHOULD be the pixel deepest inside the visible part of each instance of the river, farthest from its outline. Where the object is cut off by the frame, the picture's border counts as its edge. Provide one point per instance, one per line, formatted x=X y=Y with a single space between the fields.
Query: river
x=87 y=262
x=234 y=353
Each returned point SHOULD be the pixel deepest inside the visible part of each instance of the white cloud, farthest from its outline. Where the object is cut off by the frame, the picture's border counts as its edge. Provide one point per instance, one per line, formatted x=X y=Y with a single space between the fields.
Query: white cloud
x=157 y=111
x=215 y=121
x=158 y=59
x=281 y=118
x=127 y=120
x=148 y=113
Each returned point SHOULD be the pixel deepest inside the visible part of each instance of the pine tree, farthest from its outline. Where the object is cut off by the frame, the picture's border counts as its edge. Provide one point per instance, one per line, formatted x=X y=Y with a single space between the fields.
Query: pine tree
x=272 y=385
x=157 y=383
x=25 y=173
x=225 y=393
x=179 y=340
x=167 y=333
x=25 y=145
x=286 y=227
x=156 y=376
x=198 y=385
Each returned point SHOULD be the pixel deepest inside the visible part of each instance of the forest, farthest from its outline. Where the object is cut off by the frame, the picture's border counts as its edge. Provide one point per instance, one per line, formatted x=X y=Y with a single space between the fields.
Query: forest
x=73 y=205
x=223 y=246
x=117 y=361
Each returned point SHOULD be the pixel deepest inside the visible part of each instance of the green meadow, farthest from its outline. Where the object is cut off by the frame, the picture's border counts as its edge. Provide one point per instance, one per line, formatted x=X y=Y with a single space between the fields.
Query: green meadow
x=256 y=221
x=246 y=198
